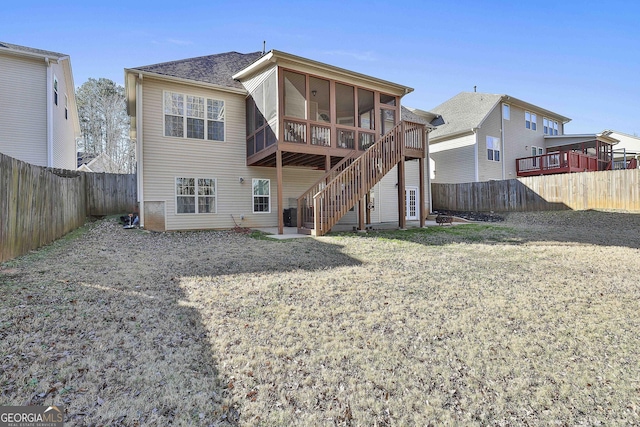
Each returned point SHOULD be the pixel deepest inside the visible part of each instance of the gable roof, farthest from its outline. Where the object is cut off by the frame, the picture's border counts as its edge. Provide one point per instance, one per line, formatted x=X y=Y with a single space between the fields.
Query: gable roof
x=467 y=110
x=463 y=112
x=214 y=69
x=14 y=48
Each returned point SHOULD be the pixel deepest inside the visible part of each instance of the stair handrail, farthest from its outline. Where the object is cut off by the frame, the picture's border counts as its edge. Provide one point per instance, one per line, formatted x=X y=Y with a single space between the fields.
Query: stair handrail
x=350 y=185
x=303 y=208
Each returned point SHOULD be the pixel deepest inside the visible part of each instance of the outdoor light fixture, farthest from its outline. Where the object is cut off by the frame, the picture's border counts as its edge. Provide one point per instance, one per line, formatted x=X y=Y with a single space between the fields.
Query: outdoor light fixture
x=314 y=92
x=241 y=179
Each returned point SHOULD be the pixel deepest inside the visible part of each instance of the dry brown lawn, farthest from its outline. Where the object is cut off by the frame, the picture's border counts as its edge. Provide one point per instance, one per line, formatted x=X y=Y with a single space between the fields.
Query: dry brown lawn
x=534 y=321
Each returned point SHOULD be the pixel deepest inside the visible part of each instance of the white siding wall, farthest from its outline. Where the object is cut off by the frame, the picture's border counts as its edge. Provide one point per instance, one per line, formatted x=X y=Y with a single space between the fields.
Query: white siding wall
x=454 y=160
x=166 y=158
x=23 y=110
x=64 y=141
x=386 y=191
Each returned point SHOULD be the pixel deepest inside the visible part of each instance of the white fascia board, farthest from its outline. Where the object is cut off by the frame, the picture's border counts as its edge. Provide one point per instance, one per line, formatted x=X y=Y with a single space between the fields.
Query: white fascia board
x=274 y=55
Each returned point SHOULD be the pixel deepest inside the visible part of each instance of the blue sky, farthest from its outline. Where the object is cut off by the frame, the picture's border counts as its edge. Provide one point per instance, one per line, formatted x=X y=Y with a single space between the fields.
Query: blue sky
x=579 y=59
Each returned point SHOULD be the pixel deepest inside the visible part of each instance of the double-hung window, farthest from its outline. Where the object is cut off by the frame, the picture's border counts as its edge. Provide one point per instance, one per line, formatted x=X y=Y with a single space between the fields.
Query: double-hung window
x=203 y=118
x=261 y=195
x=195 y=195
x=493 y=148
x=550 y=126
x=530 y=120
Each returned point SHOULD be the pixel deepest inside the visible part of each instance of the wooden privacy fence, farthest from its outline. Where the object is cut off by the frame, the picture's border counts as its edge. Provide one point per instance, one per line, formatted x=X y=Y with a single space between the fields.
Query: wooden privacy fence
x=39 y=205
x=616 y=189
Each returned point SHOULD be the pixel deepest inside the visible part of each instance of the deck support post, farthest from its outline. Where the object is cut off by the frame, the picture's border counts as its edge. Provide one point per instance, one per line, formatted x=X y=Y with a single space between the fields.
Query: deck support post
x=421 y=196
x=279 y=187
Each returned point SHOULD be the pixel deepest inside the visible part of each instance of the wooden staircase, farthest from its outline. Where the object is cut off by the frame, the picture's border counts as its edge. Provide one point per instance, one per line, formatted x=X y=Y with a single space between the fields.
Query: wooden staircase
x=333 y=195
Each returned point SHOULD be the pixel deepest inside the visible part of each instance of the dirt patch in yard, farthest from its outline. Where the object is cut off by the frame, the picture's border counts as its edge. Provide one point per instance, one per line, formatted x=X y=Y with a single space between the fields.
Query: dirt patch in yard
x=529 y=322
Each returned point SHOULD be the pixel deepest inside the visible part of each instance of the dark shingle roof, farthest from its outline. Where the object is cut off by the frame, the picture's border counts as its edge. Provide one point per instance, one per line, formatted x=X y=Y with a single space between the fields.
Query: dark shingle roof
x=214 y=69
x=410 y=116
x=4 y=45
x=464 y=111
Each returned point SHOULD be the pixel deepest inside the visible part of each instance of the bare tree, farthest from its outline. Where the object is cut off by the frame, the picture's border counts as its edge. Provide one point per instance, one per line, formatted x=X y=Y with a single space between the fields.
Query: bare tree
x=104 y=124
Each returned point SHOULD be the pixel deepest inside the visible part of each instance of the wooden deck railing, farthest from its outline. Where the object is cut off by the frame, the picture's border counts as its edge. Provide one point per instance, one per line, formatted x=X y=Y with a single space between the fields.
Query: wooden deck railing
x=336 y=197
x=561 y=162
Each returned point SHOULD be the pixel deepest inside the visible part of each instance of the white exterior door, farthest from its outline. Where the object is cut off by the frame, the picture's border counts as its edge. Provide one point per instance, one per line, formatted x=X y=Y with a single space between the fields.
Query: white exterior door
x=411 y=197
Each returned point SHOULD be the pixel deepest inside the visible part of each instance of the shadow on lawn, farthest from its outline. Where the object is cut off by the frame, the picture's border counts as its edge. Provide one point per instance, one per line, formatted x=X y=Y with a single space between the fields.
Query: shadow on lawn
x=100 y=325
x=582 y=227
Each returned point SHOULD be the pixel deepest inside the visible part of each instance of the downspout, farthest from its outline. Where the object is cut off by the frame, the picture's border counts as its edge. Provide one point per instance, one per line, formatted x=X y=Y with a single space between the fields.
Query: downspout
x=475 y=154
x=49 y=113
x=504 y=154
x=139 y=138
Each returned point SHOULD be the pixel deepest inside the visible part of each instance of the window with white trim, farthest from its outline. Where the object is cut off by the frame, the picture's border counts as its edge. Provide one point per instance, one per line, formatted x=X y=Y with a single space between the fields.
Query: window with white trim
x=550 y=126
x=506 y=112
x=66 y=107
x=493 y=148
x=196 y=195
x=530 y=120
x=55 y=90
x=203 y=118
x=261 y=195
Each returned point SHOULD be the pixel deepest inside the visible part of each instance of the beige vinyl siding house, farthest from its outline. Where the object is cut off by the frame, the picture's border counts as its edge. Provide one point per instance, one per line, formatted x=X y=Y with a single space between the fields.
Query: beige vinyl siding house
x=38 y=116
x=484 y=134
x=192 y=175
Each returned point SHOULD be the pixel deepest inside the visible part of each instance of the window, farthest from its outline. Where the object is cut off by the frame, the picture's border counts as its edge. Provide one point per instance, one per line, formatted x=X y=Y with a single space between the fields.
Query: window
x=66 y=107
x=195 y=195
x=506 y=112
x=550 y=126
x=319 y=106
x=55 y=90
x=188 y=112
x=195 y=117
x=366 y=109
x=261 y=195
x=387 y=120
x=295 y=95
x=345 y=105
x=493 y=148
x=215 y=120
x=530 y=120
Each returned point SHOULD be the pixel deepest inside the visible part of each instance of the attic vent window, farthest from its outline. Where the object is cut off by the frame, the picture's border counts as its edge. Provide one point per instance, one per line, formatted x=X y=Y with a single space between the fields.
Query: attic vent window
x=506 y=112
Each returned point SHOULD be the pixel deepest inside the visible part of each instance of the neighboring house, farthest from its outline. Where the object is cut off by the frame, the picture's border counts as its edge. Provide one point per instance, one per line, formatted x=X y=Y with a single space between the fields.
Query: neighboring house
x=494 y=137
x=99 y=164
x=38 y=115
x=247 y=139
x=625 y=151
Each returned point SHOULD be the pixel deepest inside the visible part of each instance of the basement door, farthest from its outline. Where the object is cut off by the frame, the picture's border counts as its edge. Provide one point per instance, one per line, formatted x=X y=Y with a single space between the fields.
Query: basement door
x=411 y=197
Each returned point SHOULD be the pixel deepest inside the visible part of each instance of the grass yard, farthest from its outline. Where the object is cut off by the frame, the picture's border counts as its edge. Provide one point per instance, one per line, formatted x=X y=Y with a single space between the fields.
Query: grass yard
x=534 y=321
